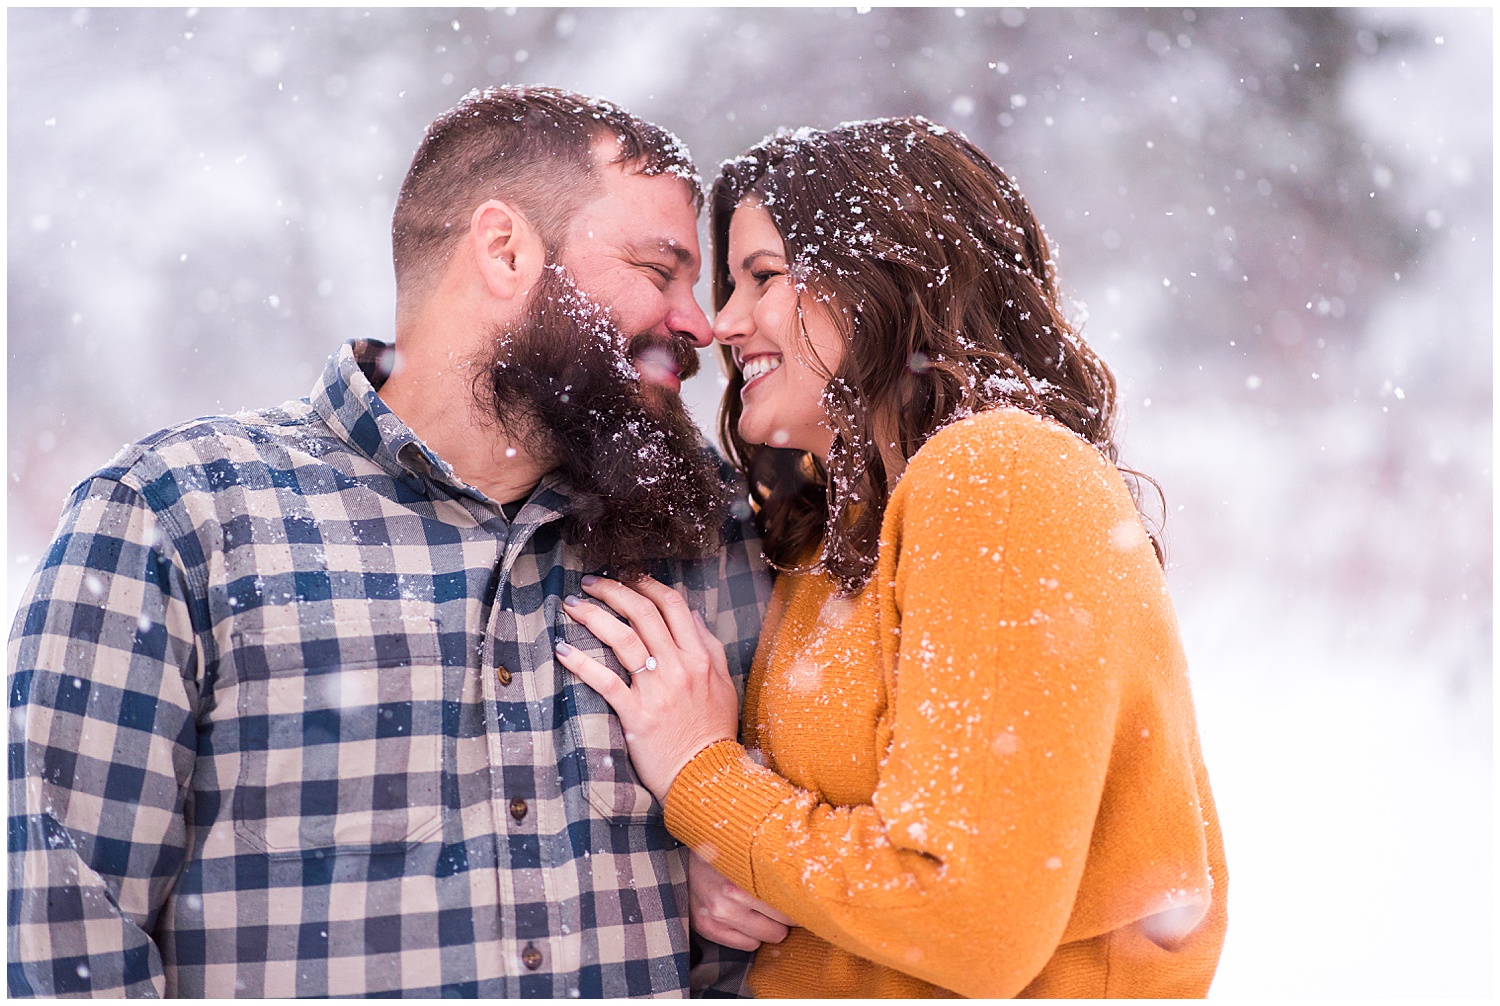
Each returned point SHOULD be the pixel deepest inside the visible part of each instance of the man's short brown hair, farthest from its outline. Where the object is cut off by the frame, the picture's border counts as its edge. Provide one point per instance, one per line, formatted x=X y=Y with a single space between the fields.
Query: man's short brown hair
x=530 y=146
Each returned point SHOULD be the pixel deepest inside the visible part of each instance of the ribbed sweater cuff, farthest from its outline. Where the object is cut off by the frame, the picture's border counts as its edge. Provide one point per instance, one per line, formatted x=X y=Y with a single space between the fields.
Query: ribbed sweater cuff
x=718 y=803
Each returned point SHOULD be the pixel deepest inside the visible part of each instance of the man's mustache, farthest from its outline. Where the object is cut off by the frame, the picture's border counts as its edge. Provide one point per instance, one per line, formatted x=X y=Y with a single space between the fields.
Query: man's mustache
x=666 y=351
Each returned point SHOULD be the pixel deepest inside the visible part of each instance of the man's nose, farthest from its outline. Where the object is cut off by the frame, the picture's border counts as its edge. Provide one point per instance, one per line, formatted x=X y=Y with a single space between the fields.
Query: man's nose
x=689 y=321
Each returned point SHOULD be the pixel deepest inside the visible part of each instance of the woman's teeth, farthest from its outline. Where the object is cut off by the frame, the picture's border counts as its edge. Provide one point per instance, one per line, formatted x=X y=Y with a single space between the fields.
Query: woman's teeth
x=759 y=367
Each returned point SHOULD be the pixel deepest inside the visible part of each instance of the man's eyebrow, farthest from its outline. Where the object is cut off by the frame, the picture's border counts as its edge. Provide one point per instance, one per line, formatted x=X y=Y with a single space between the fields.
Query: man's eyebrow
x=665 y=246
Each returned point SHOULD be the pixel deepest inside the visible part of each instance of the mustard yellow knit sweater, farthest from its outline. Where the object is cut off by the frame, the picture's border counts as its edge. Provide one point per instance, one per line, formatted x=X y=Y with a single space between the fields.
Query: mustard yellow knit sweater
x=981 y=776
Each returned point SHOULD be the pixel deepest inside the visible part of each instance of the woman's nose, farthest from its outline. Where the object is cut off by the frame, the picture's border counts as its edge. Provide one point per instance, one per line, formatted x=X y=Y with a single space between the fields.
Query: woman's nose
x=731 y=322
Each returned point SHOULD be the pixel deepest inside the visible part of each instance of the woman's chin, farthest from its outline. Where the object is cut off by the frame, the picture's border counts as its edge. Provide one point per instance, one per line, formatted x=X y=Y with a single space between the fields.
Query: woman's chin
x=768 y=435
x=753 y=433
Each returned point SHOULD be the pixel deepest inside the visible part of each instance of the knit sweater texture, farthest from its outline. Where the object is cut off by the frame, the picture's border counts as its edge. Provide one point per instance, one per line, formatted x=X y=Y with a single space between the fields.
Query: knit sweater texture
x=980 y=776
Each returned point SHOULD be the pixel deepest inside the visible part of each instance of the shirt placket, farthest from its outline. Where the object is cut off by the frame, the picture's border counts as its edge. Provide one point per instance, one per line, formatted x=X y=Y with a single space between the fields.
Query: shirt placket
x=516 y=651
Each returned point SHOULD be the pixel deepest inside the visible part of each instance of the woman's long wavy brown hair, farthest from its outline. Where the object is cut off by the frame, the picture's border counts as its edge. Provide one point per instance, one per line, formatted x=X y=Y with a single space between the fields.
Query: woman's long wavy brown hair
x=943 y=288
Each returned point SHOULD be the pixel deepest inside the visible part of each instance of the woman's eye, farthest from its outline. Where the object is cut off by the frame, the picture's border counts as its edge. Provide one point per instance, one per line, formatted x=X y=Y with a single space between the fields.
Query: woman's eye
x=763 y=276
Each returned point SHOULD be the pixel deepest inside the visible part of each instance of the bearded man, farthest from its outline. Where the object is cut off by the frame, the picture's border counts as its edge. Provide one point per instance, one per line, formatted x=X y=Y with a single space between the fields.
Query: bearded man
x=286 y=720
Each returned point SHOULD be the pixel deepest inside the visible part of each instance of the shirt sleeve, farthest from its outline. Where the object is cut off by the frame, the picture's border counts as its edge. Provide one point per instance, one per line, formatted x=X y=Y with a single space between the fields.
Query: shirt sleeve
x=103 y=672
x=964 y=868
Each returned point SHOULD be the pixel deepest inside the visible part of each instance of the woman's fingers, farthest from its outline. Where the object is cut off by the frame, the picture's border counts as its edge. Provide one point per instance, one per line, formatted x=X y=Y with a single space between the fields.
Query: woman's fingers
x=746 y=932
x=759 y=927
x=725 y=935
x=711 y=644
x=682 y=621
x=742 y=913
x=727 y=914
x=598 y=677
x=611 y=632
x=683 y=704
x=645 y=616
x=759 y=907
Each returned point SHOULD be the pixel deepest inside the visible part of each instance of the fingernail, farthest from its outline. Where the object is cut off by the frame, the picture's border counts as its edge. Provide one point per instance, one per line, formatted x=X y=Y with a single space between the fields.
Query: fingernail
x=572 y=600
x=590 y=580
x=562 y=649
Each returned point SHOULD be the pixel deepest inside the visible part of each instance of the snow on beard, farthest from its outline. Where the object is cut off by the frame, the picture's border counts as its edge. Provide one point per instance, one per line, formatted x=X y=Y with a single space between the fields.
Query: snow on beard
x=642 y=485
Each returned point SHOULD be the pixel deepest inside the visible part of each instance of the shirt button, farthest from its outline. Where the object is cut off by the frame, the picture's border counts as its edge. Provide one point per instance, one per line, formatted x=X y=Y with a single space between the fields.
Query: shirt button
x=517 y=808
x=531 y=957
x=503 y=674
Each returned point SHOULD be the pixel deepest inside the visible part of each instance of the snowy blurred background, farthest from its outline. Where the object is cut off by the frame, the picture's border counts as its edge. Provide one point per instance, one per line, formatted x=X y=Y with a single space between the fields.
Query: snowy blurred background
x=1277 y=224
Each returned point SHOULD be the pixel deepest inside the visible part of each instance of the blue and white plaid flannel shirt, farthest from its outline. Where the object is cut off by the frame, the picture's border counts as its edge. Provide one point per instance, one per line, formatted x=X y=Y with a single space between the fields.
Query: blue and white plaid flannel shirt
x=285 y=722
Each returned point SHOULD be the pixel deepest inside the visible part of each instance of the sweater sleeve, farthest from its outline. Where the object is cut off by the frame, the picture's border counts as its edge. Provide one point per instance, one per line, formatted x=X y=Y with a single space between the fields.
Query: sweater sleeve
x=1012 y=558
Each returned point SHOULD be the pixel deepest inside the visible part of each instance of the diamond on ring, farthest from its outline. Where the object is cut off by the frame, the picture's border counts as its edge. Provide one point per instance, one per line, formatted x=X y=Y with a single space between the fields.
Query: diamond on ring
x=650 y=665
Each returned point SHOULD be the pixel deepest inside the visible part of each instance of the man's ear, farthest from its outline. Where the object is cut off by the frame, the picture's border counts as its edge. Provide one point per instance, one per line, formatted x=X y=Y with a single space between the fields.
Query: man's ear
x=507 y=250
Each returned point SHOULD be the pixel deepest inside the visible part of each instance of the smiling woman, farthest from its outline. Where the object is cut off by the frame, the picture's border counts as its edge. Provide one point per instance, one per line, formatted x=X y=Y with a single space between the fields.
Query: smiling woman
x=784 y=354
x=931 y=272
x=967 y=759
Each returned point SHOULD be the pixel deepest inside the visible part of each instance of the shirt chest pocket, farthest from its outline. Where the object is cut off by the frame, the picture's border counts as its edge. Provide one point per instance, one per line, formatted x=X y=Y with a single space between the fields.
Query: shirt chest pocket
x=341 y=732
x=597 y=759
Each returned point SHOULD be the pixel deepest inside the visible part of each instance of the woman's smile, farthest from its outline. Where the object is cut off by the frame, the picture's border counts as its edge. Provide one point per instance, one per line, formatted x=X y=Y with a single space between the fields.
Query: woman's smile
x=757 y=367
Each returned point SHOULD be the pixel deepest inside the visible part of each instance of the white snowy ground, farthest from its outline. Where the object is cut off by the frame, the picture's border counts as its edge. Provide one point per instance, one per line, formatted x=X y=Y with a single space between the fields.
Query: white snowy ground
x=1357 y=815
x=1348 y=736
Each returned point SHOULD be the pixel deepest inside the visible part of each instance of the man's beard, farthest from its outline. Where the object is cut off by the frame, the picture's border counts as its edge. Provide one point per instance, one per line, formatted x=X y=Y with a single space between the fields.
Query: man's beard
x=643 y=486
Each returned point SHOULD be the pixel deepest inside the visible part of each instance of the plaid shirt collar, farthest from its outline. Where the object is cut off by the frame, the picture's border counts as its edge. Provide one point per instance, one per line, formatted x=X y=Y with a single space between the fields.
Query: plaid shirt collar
x=347 y=398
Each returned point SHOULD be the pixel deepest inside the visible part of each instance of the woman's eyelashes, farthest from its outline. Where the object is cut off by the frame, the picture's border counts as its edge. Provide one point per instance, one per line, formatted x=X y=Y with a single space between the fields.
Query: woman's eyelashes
x=758 y=277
